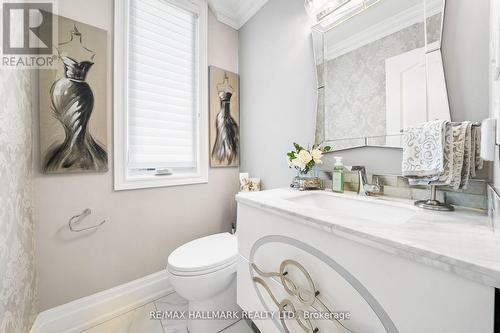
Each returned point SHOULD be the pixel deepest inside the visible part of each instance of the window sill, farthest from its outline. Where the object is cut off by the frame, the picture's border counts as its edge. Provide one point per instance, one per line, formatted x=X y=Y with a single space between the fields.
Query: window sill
x=152 y=181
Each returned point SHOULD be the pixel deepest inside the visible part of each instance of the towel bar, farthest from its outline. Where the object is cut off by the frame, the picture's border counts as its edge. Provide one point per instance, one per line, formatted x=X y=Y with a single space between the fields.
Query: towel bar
x=433 y=203
x=474 y=124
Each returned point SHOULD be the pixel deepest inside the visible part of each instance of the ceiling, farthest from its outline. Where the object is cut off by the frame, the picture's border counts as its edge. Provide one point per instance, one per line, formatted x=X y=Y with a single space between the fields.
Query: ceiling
x=235 y=13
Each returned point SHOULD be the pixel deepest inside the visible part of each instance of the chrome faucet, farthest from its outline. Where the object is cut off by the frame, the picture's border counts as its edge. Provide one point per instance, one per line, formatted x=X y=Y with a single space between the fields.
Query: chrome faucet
x=364 y=187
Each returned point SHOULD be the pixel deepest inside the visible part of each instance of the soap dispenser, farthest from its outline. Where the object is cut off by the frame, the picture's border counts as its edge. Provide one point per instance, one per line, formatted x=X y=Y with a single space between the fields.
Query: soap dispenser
x=338 y=176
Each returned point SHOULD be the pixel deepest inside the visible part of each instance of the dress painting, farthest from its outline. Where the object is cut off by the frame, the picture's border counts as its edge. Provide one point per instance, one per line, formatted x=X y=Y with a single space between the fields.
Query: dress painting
x=73 y=115
x=224 y=118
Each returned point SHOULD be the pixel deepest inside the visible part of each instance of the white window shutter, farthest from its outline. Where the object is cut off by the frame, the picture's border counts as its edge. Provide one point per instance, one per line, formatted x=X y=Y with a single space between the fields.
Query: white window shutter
x=162 y=86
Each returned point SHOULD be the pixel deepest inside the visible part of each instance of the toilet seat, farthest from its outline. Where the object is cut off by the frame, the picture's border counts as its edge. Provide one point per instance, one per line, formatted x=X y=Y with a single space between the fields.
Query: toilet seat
x=204 y=255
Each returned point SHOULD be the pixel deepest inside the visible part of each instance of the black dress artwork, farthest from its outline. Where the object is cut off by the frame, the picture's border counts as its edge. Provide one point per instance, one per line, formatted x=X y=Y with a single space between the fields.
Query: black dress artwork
x=227 y=138
x=72 y=103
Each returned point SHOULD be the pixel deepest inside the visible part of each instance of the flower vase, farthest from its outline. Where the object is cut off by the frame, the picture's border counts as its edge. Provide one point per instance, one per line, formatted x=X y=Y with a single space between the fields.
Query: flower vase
x=307 y=180
x=313 y=173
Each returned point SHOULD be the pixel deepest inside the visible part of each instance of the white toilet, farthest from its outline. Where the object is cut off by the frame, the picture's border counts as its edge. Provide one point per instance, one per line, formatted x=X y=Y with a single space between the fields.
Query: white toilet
x=203 y=271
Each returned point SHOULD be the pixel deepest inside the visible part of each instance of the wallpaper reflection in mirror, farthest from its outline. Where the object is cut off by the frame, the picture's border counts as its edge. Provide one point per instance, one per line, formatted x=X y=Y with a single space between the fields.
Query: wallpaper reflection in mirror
x=224 y=118
x=379 y=72
x=356 y=83
x=73 y=107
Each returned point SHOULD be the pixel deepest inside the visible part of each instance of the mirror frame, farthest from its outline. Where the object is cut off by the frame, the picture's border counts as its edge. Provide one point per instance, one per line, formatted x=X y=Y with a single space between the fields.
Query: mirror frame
x=319 y=51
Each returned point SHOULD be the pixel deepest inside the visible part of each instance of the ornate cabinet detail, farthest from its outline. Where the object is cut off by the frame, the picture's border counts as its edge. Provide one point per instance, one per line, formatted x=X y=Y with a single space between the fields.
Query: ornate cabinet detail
x=299 y=302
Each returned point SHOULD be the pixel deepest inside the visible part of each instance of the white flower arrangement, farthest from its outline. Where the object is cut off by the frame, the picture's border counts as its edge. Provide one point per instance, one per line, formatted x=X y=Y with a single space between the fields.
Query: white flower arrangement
x=303 y=159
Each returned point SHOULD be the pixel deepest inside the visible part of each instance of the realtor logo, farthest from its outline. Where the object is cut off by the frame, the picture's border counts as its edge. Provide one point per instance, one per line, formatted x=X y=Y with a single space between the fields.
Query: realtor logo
x=28 y=34
x=27 y=28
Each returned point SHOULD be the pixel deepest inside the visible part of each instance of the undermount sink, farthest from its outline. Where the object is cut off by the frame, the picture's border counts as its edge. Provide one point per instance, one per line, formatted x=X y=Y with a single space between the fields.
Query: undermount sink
x=366 y=208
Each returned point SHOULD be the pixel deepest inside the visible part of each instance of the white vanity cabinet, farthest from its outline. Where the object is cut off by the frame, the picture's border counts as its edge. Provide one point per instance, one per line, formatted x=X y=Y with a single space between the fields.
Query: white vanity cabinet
x=381 y=284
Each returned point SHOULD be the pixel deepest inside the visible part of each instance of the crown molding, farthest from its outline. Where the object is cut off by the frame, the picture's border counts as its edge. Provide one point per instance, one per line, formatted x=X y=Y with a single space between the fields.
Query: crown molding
x=377 y=31
x=385 y=28
x=236 y=14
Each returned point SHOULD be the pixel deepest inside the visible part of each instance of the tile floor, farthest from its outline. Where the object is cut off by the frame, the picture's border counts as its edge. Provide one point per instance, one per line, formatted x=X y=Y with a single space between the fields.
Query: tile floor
x=138 y=321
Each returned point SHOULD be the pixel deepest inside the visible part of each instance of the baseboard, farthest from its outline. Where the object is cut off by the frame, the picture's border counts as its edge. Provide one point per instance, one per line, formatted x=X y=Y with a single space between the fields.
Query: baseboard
x=93 y=310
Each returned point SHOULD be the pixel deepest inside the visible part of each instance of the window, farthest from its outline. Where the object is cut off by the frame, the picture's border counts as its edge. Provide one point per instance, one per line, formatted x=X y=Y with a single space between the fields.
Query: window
x=160 y=93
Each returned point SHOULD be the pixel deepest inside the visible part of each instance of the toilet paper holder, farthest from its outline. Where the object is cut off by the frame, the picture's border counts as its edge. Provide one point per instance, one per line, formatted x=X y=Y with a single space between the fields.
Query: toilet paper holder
x=78 y=218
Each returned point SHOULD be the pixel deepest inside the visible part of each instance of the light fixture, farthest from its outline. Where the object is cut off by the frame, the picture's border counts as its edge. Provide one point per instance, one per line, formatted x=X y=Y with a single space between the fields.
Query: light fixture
x=318 y=9
x=333 y=12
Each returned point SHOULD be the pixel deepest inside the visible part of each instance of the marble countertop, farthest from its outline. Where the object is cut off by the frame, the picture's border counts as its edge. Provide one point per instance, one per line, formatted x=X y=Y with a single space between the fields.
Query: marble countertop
x=460 y=242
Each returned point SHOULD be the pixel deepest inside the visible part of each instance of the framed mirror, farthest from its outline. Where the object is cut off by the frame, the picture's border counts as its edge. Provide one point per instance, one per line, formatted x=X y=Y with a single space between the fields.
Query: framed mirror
x=380 y=68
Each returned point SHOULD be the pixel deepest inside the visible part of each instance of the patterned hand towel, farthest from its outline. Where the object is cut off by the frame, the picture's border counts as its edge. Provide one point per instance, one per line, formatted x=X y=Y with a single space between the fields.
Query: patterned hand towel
x=452 y=164
x=424 y=150
x=446 y=176
x=459 y=143
x=477 y=145
x=476 y=160
x=469 y=156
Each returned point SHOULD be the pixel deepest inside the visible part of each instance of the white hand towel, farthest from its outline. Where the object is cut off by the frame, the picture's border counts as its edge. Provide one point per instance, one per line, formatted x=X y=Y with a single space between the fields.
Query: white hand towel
x=424 y=148
x=452 y=164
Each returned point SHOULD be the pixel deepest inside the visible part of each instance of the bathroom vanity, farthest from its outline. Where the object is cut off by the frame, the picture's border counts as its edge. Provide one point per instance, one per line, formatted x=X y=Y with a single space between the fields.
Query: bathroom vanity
x=346 y=263
x=385 y=264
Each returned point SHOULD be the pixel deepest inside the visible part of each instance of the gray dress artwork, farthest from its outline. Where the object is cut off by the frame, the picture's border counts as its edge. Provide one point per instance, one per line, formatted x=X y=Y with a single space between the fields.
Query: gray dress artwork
x=72 y=102
x=227 y=138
